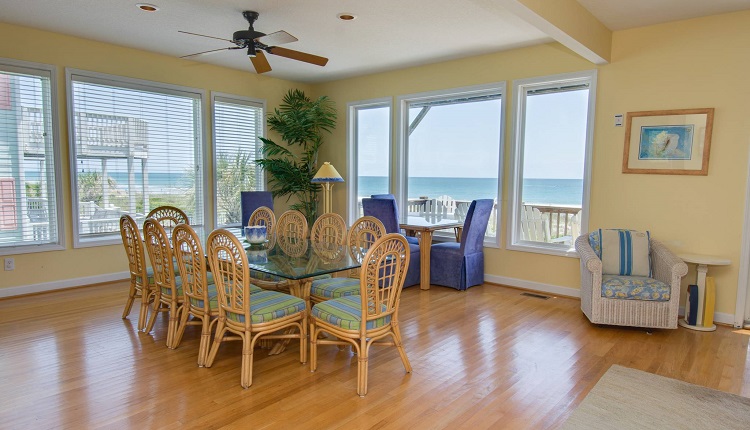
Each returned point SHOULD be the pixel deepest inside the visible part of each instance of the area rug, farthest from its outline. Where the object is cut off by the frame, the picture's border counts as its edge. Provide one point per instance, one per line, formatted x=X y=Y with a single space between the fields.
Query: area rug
x=631 y=399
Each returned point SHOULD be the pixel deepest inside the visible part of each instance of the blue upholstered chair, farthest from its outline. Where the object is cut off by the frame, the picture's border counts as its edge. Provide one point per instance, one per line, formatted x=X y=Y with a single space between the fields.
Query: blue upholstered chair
x=252 y=200
x=396 y=229
x=386 y=211
x=461 y=265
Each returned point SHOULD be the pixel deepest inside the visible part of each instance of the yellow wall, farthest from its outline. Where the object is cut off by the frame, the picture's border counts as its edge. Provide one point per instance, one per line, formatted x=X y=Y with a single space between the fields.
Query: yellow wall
x=21 y=43
x=689 y=64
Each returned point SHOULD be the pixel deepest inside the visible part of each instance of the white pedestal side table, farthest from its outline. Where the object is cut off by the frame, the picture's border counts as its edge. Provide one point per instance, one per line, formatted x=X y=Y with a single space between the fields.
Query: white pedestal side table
x=702 y=262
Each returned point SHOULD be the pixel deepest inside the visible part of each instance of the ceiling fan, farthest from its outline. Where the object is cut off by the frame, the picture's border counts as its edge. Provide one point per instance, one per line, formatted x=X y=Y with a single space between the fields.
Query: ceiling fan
x=257 y=43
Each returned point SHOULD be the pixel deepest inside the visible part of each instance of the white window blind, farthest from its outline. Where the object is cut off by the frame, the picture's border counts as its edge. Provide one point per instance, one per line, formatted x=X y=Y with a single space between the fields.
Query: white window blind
x=136 y=145
x=237 y=124
x=29 y=206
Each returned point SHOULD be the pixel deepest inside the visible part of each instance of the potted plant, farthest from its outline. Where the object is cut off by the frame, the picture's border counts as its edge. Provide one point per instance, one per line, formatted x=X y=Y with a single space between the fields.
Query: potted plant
x=301 y=123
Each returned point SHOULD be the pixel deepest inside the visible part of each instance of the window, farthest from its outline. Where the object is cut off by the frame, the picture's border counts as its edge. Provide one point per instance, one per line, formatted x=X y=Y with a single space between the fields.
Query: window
x=30 y=203
x=135 y=145
x=369 y=125
x=551 y=162
x=237 y=123
x=450 y=145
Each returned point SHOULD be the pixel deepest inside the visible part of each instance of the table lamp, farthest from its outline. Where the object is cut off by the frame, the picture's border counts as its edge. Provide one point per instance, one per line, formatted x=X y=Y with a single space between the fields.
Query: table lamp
x=327 y=175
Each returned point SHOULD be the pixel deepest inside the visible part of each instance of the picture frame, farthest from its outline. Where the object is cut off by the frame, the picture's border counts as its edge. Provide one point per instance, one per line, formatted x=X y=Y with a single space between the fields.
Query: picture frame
x=668 y=142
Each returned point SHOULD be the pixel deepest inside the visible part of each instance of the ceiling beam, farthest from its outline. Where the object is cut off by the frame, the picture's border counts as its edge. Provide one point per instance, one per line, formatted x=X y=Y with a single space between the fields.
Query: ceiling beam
x=567 y=22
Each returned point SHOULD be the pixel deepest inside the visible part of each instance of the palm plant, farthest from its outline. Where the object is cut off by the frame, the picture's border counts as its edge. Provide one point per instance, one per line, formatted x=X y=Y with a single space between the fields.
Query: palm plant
x=301 y=122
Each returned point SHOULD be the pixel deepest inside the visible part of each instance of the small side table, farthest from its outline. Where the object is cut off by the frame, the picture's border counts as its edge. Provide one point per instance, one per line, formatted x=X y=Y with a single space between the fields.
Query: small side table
x=702 y=262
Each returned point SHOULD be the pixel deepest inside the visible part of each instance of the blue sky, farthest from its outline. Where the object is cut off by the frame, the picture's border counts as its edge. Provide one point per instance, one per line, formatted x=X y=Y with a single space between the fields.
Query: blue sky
x=461 y=140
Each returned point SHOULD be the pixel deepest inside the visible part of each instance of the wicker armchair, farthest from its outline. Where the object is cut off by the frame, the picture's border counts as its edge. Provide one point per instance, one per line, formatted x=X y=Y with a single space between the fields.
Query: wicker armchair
x=666 y=267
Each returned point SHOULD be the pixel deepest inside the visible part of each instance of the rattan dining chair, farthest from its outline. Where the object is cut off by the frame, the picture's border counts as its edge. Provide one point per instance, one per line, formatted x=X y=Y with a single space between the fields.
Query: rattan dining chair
x=249 y=315
x=168 y=216
x=142 y=284
x=366 y=319
x=265 y=216
x=201 y=298
x=329 y=228
x=364 y=232
x=169 y=295
x=291 y=225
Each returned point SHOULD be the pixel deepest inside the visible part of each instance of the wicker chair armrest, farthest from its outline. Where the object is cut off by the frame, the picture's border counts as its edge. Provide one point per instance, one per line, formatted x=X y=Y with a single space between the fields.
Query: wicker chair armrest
x=667 y=267
x=589 y=260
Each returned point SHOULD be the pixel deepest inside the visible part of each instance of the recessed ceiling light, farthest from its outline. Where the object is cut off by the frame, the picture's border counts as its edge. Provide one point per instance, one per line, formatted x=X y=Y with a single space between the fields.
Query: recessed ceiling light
x=147 y=7
x=347 y=16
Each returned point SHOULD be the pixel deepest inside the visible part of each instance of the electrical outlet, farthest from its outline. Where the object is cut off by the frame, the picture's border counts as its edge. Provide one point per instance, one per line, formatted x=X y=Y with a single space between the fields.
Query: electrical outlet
x=10 y=263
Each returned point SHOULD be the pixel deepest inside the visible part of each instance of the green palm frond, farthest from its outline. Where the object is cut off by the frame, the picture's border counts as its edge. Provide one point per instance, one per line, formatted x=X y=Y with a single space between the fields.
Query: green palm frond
x=301 y=122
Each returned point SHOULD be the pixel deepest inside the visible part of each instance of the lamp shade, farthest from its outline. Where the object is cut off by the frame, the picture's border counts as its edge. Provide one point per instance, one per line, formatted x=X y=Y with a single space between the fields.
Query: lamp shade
x=327 y=173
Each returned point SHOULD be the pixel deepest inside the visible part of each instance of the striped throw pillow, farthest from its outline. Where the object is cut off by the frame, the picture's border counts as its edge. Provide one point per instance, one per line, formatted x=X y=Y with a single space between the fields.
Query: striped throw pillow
x=625 y=252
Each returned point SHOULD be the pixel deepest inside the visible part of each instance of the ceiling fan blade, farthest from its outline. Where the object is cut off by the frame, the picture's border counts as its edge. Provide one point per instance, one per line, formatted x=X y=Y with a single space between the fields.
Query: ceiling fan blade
x=260 y=62
x=211 y=51
x=277 y=38
x=297 y=55
x=203 y=35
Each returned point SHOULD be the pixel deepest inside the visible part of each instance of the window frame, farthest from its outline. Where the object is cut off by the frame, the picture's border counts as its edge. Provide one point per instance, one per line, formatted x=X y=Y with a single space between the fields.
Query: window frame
x=51 y=72
x=520 y=88
x=247 y=101
x=136 y=84
x=352 y=108
x=402 y=137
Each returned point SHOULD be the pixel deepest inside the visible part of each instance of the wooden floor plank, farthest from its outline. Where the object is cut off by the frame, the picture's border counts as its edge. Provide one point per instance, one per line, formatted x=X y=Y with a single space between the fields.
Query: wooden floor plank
x=485 y=358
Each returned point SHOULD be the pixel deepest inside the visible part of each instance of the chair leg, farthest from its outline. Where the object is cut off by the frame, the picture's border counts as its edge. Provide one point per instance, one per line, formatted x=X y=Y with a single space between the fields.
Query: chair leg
x=143 y=316
x=181 y=329
x=174 y=314
x=205 y=340
x=131 y=298
x=220 y=331
x=152 y=320
x=362 y=368
x=400 y=347
x=303 y=339
x=246 y=378
x=313 y=346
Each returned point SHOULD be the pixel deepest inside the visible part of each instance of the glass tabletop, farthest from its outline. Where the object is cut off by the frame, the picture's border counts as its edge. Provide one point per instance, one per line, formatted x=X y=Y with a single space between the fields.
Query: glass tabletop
x=300 y=259
x=431 y=222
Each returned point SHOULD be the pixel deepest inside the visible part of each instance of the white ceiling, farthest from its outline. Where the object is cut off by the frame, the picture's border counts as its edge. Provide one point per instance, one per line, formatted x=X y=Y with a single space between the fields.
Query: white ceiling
x=387 y=34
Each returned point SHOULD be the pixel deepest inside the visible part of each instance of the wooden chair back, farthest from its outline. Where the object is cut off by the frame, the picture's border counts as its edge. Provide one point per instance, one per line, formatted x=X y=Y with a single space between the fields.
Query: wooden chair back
x=382 y=278
x=227 y=258
x=329 y=228
x=159 y=250
x=291 y=227
x=265 y=216
x=191 y=263
x=131 y=239
x=362 y=235
x=168 y=216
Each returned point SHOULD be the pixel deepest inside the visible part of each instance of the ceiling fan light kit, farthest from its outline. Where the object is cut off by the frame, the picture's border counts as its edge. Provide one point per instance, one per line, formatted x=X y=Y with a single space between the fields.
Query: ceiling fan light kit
x=257 y=43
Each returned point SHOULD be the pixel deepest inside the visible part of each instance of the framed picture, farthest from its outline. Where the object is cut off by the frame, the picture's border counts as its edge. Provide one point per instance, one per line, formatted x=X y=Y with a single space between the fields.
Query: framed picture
x=668 y=142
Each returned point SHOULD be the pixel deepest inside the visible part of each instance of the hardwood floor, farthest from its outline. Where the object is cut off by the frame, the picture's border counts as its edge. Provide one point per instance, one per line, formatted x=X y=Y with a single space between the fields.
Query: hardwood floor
x=485 y=358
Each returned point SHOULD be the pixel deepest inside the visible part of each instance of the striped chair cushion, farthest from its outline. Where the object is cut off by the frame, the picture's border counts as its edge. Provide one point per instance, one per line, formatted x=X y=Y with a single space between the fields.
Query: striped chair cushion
x=346 y=312
x=634 y=288
x=263 y=276
x=213 y=297
x=625 y=252
x=333 y=288
x=266 y=306
x=177 y=284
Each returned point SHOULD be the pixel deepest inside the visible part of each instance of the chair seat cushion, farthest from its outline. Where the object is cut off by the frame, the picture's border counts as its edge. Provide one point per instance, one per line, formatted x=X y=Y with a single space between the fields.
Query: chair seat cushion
x=634 y=288
x=263 y=276
x=333 y=288
x=346 y=312
x=412 y=240
x=178 y=286
x=266 y=306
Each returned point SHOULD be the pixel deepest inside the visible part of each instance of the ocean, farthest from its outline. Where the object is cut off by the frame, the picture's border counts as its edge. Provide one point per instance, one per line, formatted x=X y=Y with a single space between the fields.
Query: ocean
x=538 y=191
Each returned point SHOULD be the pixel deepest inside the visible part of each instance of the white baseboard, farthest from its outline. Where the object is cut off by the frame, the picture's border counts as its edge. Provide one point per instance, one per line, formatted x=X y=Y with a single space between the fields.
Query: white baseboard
x=60 y=285
x=534 y=286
